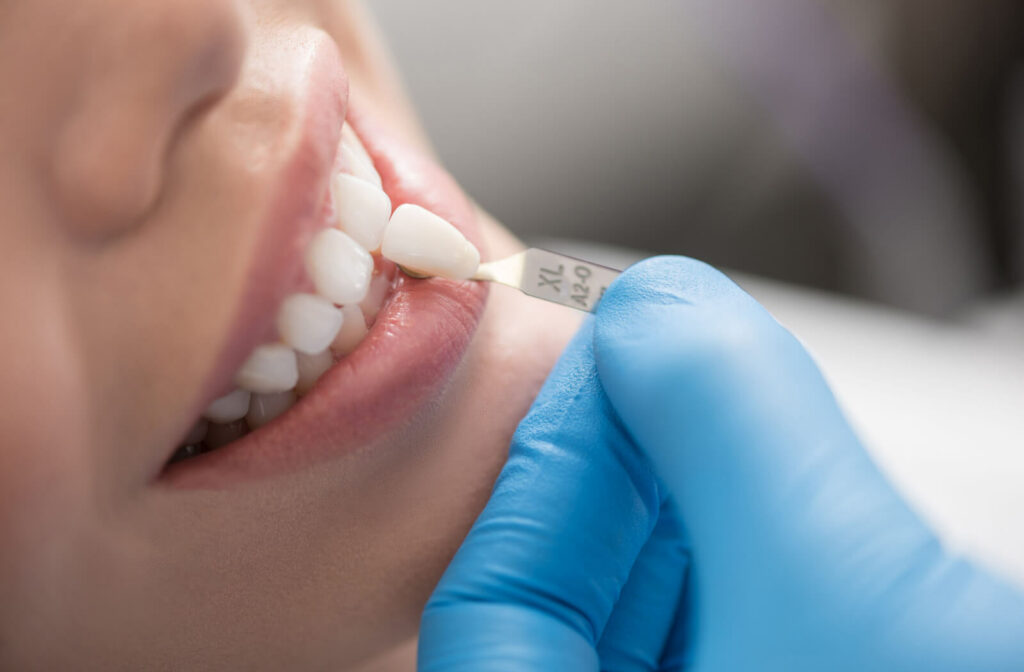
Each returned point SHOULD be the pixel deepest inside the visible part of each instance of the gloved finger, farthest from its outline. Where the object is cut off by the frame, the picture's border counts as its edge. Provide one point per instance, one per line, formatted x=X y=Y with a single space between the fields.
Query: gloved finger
x=533 y=584
x=635 y=637
x=677 y=655
x=785 y=511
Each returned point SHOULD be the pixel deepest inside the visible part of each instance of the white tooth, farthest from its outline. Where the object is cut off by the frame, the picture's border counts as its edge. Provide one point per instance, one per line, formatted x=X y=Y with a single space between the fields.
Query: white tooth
x=353 y=331
x=423 y=242
x=363 y=210
x=308 y=322
x=265 y=407
x=349 y=137
x=380 y=287
x=228 y=408
x=339 y=267
x=311 y=367
x=219 y=435
x=197 y=433
x=270 y=368
x=359 y=165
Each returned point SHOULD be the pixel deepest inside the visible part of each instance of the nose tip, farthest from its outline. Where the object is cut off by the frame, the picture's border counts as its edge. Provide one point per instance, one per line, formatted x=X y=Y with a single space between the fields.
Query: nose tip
x=152 y=69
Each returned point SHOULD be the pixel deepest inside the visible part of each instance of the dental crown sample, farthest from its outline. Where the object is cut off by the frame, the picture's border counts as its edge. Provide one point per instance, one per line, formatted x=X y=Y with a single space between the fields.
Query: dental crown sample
x=424 y=243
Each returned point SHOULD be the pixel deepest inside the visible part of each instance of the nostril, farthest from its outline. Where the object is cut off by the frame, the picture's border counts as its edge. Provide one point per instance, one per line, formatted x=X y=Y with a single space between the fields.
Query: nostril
x=110 y=153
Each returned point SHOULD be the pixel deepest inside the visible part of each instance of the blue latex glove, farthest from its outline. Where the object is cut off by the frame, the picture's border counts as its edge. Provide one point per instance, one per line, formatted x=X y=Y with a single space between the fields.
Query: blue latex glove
x=781 y=547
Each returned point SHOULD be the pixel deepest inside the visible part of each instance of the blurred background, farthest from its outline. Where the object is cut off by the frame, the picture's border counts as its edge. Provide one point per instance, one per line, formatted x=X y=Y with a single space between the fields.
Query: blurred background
x=869 y=147
x=868 y=153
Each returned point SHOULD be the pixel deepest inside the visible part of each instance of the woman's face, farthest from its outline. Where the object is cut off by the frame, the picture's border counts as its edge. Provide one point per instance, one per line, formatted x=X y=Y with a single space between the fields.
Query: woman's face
x=163 y=167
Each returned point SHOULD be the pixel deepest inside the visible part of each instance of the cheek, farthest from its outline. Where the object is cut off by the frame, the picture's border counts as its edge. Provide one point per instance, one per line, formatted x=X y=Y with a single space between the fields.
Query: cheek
x=153 y=314
x=155 y=308
x=45 y=421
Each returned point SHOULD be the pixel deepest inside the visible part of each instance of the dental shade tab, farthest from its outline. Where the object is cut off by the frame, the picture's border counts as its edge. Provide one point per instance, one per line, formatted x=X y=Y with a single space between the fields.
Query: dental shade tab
x=424 y=245
x=553 y=277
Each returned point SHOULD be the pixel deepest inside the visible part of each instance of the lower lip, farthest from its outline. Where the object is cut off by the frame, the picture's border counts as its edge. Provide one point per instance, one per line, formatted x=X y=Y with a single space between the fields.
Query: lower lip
x=407 y=359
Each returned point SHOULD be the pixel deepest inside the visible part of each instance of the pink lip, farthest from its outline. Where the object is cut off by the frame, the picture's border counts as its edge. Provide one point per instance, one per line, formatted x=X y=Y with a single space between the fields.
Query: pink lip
x=415 y=344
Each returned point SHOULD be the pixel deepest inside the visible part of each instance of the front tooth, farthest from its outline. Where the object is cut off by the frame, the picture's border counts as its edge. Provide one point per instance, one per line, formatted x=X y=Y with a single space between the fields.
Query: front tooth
x=308 y=322
x=339 y=267
x=353 y=331
x=270 y=368
x=425 y=243
x=311 y=367
x=363 y=210
x=265 y=407
x=228 y=408
x=359 y=165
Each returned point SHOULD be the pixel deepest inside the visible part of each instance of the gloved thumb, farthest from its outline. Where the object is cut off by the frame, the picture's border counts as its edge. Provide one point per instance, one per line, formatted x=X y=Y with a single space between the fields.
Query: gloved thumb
x=784 y=509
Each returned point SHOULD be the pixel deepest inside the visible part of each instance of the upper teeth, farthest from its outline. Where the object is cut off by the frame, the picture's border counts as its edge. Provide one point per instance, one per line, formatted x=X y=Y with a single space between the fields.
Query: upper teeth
x=363 y=210
x=348 y=292
x=354 y=157
x=358 y=163
x=339 y=267
x=308 y=322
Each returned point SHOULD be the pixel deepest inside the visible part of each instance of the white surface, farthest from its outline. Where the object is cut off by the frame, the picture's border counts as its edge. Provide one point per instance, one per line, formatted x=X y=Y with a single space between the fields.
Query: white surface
x=940 y=406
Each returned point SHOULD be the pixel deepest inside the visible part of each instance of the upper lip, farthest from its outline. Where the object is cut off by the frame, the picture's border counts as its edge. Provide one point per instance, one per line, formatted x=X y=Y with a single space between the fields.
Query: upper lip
x=413 y=346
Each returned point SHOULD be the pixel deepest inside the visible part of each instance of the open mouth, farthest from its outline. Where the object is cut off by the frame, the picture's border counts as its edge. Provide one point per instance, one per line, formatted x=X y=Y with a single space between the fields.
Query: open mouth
x=348 y=284
x=357 y=347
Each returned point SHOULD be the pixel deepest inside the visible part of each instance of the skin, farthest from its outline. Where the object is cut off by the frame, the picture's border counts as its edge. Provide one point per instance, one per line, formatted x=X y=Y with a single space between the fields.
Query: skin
x=128 y=202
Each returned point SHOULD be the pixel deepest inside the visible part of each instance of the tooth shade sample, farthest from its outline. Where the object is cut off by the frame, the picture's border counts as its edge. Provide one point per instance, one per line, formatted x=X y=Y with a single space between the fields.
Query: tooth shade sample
x=308 y=322
x=380 y=287
x=311 y=367
x=353 y=331
x=265 y=407
x=363 y=210
x=228 y=408
x=359 y=165
x=270 y=368
x=220 y=435
x=425 y=243
x=339 y=267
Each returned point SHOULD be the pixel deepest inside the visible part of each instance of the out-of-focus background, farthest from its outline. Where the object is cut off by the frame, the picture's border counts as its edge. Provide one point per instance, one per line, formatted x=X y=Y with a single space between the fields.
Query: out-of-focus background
x=871 y=147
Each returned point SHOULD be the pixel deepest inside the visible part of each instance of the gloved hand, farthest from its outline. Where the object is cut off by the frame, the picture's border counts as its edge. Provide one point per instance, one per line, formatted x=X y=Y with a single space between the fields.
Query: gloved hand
x=686 y=494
